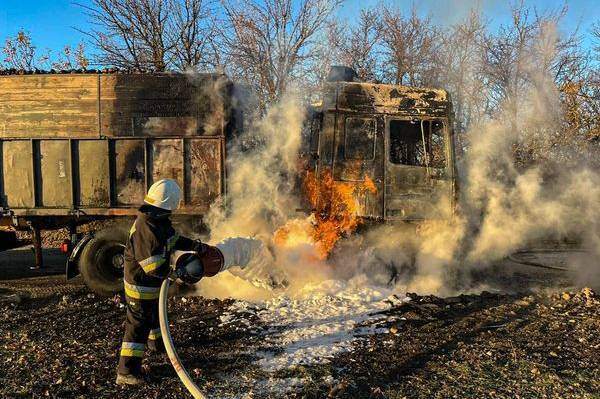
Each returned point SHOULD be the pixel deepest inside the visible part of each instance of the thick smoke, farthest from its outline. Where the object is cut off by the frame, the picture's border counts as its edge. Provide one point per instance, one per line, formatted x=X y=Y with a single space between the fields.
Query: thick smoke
x=508 y=207
x=504 y=206
x=261 y=167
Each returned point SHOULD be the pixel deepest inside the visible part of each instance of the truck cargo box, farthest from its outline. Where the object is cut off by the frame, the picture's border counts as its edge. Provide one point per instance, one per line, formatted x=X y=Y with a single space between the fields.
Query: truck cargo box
x=74 y=144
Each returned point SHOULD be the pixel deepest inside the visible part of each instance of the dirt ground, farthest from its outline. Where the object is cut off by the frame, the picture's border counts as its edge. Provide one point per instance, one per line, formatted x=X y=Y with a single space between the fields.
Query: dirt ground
x=58 y=340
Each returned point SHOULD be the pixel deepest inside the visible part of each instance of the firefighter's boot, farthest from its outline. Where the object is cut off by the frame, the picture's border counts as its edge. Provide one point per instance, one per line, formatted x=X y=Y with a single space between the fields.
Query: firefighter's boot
x=129 y=379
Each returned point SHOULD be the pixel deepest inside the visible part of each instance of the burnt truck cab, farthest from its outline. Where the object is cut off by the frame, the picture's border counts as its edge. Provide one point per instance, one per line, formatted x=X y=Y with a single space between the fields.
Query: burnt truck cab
x=399 y=137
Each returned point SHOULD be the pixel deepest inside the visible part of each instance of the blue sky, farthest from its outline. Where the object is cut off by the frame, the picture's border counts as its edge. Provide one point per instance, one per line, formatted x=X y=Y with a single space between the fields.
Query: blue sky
x=52 y=23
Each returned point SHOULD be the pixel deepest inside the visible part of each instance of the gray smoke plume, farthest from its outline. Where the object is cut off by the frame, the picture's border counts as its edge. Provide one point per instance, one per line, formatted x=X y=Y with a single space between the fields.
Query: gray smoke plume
x=504 y=206
x=261 y=166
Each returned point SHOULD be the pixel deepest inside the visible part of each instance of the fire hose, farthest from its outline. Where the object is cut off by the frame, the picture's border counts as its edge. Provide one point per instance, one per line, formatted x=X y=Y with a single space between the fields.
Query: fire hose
x=168 y=341
x=228 y=253
x=515 y=257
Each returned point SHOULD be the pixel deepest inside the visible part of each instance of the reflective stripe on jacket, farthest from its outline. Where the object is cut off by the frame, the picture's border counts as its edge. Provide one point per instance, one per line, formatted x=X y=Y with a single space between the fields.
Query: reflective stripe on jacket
x=151 y=240
x=141 y=292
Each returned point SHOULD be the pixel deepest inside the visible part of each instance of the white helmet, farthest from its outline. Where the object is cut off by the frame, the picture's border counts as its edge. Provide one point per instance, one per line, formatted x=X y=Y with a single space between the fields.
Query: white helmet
x=164 y=194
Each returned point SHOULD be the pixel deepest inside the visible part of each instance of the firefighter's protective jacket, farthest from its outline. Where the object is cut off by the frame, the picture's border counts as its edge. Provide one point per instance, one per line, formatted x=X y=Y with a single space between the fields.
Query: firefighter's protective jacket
x=151 y=240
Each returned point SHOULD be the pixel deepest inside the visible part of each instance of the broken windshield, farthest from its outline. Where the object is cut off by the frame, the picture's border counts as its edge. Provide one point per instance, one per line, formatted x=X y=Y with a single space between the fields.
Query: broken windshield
x=410 y=138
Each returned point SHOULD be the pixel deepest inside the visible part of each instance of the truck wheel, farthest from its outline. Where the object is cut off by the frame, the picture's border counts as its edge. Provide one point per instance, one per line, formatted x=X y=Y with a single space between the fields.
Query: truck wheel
x=101 y=262
x=8 y=240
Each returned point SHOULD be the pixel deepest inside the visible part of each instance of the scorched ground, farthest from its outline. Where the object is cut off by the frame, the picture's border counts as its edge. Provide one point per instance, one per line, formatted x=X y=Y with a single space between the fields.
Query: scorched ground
x=59 y=340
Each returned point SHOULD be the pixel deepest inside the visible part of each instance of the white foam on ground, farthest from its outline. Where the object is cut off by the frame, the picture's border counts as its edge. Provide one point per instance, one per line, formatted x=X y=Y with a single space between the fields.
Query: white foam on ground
x=227 y=285
x=317 y=322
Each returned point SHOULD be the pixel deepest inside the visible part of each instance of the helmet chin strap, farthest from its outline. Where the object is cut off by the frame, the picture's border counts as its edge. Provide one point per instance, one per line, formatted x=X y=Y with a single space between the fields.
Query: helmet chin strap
x=154 y=211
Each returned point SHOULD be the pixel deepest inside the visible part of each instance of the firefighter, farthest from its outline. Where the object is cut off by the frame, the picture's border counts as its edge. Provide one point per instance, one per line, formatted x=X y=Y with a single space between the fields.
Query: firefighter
x=151 y=240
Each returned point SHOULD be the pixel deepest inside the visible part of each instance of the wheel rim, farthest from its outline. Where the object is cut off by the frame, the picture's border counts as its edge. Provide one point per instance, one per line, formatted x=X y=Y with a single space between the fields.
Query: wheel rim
x=110 y=260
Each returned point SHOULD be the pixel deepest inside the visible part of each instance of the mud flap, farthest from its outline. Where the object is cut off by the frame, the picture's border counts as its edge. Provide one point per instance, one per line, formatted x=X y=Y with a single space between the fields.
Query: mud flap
x=72 y=268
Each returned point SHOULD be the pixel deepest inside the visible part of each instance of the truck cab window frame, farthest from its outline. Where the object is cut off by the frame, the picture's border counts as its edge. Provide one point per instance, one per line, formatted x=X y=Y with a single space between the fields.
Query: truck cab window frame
x=406 y=143
x=315 y=131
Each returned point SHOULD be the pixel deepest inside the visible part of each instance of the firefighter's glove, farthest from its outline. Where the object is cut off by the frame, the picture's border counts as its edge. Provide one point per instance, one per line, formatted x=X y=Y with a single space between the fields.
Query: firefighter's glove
x=241 y=252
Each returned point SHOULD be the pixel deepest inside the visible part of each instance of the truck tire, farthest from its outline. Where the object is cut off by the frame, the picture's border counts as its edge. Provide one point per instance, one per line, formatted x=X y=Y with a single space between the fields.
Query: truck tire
x=101 y=262
x=8 y=240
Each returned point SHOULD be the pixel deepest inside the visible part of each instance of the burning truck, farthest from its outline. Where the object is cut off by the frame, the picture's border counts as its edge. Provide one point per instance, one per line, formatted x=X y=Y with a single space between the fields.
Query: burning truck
x=78 y=148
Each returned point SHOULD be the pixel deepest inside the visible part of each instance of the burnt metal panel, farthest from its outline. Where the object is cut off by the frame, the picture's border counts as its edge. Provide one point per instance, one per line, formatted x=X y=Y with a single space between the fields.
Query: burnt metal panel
x=176 y=126
x=57 y=105
x=130 y=172
x=163 y=105
x=203 y=171
x=418 y=203
x=414 y=192
x=18 y=174
x=385 y=99
x=94 y=183
x=167 y=160
x=55 y=168
x=357 y=171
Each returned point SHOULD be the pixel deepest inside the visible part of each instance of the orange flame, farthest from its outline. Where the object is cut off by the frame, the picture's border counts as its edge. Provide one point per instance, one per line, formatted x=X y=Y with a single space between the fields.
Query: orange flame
x=369 y=185
x=335 y=214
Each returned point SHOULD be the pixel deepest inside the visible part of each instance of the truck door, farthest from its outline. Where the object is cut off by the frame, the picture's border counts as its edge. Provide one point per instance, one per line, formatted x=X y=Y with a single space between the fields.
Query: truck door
x=357 y=160
x=418 y=169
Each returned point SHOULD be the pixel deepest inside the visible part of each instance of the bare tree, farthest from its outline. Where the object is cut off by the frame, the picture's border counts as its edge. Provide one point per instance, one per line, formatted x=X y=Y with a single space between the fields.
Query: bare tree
x=325 y=53
x=461 y=57
x=153 y=35
x=409 y=47
x=353 y=45
x=527 y=47
x=581 y=107
x=193 y=28
x=19 y=52
x=359 y=46
x=130 y=33
x=531 y=54
x=596 y=35
x=269 y=42
x=70 y=58
x=505 y=55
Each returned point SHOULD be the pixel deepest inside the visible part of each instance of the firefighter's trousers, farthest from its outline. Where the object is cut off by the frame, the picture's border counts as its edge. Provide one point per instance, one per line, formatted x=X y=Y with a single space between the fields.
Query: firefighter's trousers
x=142 y=329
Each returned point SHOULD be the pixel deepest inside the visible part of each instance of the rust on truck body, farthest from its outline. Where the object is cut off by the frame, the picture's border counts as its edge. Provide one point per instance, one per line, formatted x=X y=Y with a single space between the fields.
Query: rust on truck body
x=87 y=105
x=84 y=144
x=91 y=174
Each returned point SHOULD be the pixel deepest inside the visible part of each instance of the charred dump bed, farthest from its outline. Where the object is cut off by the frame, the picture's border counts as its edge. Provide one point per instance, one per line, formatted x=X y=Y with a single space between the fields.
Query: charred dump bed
x=79 y=148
